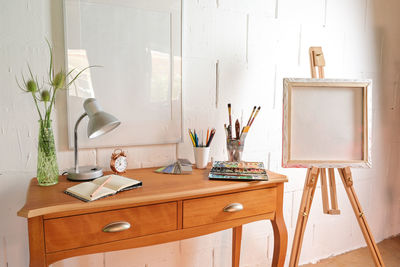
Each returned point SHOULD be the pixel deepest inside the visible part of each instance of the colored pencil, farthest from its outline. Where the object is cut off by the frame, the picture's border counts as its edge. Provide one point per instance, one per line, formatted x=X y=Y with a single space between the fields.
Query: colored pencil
x=196 y=139
x=191 y=138
x=211 y=137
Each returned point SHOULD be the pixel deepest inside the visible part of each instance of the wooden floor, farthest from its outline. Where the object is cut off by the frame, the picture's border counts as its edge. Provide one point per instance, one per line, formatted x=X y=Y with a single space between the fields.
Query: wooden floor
x=389 y=248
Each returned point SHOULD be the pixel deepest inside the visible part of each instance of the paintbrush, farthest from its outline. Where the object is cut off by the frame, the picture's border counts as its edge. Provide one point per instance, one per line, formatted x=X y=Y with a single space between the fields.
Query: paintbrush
x=254 y=109
x=230 y=121
x=258 y=110
x=229 y=112
x=237 y=128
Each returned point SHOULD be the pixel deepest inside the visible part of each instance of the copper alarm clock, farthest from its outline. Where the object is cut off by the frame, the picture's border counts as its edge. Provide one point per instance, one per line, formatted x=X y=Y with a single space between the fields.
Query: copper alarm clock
x=119 y=162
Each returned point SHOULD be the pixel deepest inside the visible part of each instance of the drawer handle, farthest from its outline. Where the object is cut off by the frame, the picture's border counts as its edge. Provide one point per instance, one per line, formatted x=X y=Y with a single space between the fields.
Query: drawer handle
x=234 y=207
x=116 y=227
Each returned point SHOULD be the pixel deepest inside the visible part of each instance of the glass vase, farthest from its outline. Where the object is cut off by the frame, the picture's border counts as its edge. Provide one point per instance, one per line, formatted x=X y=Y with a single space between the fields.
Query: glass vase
x=47 y=167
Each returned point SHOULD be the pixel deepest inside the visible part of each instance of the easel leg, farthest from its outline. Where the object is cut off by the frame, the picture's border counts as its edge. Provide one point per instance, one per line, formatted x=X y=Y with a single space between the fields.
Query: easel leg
x=306 y=201
x=324 y=191
x=347 y=180
x=236 y=242
x=332 y=186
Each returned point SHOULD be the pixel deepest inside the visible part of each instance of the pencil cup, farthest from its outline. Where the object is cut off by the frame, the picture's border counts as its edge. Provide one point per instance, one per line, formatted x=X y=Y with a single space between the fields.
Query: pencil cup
x=201 y=155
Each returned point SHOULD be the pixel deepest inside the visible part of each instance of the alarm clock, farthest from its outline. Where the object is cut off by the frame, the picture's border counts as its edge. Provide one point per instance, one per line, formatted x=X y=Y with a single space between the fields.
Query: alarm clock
x=119 y=162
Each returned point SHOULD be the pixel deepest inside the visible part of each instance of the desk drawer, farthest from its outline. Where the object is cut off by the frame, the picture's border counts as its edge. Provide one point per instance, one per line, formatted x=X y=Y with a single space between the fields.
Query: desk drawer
x=85 y=230
x=210 y=210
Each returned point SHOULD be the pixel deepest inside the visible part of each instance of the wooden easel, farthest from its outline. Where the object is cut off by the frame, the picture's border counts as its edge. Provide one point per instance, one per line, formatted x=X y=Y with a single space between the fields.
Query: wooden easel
x=317 y=61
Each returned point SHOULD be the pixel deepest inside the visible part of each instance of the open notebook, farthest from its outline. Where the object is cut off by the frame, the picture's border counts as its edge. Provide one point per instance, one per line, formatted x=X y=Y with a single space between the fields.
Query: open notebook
x=116 y=184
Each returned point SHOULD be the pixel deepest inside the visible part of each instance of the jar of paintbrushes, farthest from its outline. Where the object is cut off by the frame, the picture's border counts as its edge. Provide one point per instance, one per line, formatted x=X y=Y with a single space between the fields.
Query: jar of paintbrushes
x=235 y=144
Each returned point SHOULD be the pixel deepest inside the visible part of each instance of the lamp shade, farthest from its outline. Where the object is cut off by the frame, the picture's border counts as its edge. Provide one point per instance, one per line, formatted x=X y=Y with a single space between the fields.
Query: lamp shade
x=100 y=122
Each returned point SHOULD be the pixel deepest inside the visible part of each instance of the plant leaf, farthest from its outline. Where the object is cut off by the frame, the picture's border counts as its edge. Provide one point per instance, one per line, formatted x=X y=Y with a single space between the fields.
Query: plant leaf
x=70 y=72
x=23 y=78
x=51 y=59
x=79 y=73
x=30 y=71
x=19 y=86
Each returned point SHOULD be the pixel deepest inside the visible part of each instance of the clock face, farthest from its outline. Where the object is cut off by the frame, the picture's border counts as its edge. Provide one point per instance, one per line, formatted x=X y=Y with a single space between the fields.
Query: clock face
x=120 y=164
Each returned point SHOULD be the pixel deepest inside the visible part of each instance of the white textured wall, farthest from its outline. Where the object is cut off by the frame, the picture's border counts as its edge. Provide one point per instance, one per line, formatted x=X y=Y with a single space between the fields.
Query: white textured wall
x=257 y=43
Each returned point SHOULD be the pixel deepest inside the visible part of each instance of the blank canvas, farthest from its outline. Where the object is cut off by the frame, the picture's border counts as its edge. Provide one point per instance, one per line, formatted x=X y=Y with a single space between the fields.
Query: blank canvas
x=326 y=123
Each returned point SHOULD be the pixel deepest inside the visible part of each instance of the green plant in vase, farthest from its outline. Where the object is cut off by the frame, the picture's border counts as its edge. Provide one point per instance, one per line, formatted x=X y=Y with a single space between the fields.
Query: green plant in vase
x=44 y=96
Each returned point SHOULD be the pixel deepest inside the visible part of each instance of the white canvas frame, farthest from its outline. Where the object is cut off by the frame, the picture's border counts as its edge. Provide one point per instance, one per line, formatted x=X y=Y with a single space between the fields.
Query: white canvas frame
x=336 y=86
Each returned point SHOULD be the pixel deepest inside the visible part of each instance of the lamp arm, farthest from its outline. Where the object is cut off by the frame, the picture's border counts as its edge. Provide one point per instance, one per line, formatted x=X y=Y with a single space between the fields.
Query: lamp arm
x=76 y=141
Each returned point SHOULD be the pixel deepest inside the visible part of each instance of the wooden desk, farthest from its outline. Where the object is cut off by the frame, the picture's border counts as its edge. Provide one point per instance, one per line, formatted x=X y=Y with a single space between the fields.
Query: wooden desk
x=167 y=208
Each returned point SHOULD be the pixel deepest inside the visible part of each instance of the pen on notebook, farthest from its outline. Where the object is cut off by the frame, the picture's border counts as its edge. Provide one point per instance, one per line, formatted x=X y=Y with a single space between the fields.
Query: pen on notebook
x=101 y=186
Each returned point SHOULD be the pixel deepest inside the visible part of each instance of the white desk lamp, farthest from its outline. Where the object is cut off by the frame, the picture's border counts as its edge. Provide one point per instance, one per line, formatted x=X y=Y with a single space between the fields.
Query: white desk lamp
x=100 y=123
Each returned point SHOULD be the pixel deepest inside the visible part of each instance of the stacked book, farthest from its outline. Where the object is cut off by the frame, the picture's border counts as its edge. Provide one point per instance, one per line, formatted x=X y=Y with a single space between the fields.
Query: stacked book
x=238 y=171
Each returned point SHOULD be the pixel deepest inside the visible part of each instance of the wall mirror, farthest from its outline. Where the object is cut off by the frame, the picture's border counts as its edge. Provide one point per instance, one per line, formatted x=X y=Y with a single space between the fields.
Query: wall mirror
x=138 y=45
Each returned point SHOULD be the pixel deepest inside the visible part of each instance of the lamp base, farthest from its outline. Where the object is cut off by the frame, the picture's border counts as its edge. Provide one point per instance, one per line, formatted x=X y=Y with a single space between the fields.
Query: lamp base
x=84 y=173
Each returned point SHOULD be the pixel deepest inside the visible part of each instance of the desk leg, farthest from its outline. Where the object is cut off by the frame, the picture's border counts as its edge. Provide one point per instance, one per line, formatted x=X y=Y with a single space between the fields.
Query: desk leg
x=236 y=242
x=36 y=242
x=280 y=232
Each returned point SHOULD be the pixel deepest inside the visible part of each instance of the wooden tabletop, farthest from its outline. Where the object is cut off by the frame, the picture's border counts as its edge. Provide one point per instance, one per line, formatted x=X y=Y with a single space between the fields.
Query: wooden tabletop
x=157 y=187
